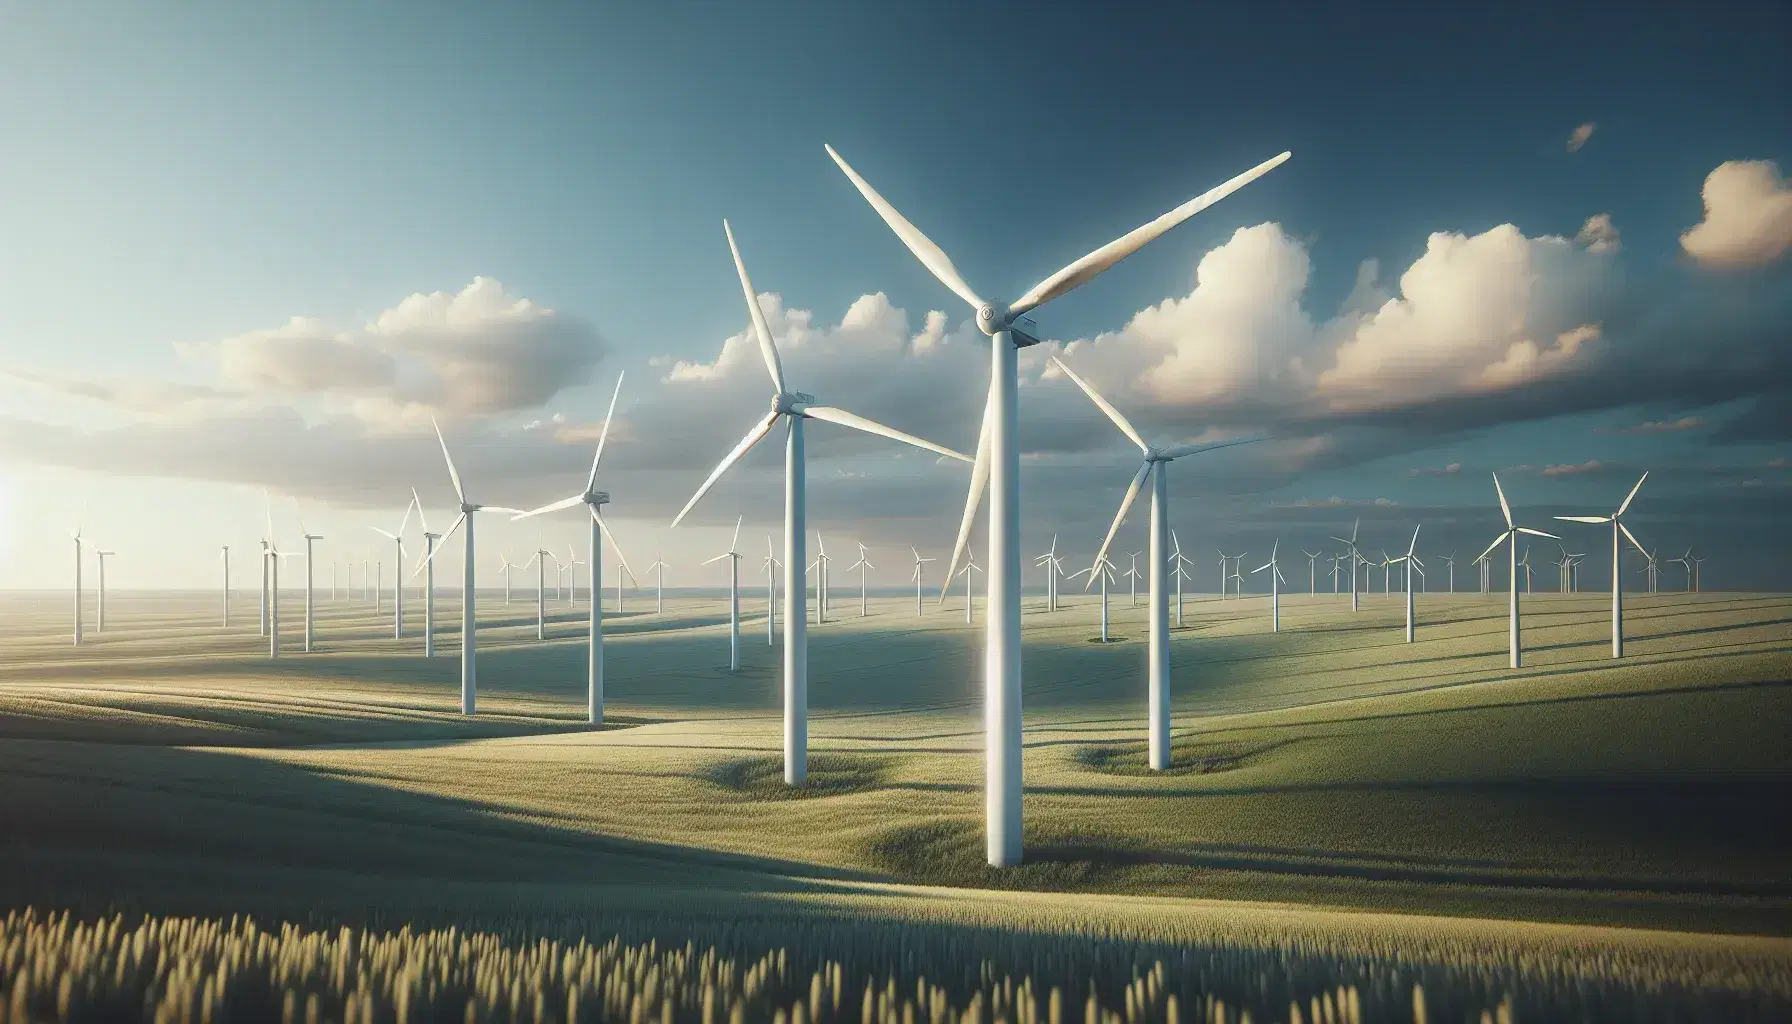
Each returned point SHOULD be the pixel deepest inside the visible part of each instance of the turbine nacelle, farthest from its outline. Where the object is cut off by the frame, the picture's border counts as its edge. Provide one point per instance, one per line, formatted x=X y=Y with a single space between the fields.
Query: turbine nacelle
x=993 y=318
x=595 y=498
x=790 y=403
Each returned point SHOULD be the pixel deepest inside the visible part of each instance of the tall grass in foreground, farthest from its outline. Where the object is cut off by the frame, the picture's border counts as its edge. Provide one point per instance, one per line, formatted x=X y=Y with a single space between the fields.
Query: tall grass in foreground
x=55 y=967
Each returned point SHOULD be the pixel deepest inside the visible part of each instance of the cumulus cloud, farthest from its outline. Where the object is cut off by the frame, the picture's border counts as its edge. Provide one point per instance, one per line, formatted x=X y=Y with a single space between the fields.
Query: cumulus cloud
x=1748 y=216
x=1599 y=234
x=1580 y=135
x=476 y=352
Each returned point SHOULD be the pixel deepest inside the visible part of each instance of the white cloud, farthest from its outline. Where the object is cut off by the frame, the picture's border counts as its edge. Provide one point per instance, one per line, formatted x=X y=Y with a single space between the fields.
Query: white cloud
x=1599 y=234
x=1574 y=469
x=1748 y=216
x=1580 y=135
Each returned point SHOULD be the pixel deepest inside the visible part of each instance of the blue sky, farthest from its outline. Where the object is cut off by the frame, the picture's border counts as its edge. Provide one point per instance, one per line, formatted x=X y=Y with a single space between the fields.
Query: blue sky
x=201 y=171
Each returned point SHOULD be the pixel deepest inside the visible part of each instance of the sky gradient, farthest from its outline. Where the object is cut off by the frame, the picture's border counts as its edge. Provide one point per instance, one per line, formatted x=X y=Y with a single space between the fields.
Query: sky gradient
x=549 y=183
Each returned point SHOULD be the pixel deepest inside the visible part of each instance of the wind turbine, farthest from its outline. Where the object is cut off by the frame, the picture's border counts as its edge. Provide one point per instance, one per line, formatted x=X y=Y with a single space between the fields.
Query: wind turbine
x=593 y=500
x=970 y=604
x=1104 y=570
x=594 y=584
x=864 y=566
x=540 y=560
x=621 y=571
x=920 y=563
x=998 y=466
x=1132 y=575
x=1411 y=561
x=469 y=680
x=1486 y=573
x=226 y=561
x=1337 y=567
x=1156 y=466
x=100 y=619
x=658 y=568
x=398 y=568
x=1312 y=570
x=271 y=558
x=1618 y=527
x=1450 y=560
x=309 y=538
x=1525 y=563
x=504 y=566
x=1183 y=564
x=1356 y=558
x=1275 y=588
x=429 y=580
x=1685 y=563
x=1386 y=565
x=1050 y=561
x=793 y=407
x=821 y=578
x=1696 y=563
x=1234 y=576
x=1509 y=536
x=733 y=556
x=1651 y=569
x=771 y=567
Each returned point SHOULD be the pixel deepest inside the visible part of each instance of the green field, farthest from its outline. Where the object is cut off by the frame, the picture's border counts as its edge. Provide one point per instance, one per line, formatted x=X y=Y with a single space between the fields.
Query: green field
x=1342 y=802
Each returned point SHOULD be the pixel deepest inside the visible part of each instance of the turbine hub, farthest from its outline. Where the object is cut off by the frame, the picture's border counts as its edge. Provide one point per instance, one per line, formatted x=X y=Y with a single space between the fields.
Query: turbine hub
x=597 y=497
x=991 y=320
x=787 y=401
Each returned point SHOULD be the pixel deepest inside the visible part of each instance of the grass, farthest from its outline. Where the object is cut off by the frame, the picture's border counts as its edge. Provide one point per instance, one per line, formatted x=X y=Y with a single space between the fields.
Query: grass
x=1334 y=791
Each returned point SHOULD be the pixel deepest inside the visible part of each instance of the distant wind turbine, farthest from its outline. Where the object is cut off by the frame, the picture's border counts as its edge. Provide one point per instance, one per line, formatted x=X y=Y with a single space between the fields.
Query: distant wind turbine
x=658 y=568
x=771 y=567
x=1050 y=561
x=1104 y=571
x=1616 y=519
x=733 y=555
x=1182 y=563
x=398 y=574
x=1312 y=570
x=310 y=577
x=1509 y=537
x=864 y=566
x=1132 y=575
x=1356 y=558
x=100 y=619
x=1410 y=561
x=1275 y=587
x=970 y=603
x=429 y=578
x=920 y=564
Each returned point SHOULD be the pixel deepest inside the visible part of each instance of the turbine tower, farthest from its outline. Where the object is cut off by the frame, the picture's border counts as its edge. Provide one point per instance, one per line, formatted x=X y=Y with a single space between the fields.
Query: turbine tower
x=998 y=466
x=504 y=566
x=309 y=539
x=1182 y=564
x=1356 y=558
x=920 y=564
x=429 y=578
x=1104 y=570
x=864 y=566
x=1618 y=527
x=820 y=565
x=1312 y=570
x=398 y=568
x=100 y=616
x=1156 y=466
x=1411 y=561
x=1132 y=576
x=1275 y=589
x=771 y=567
x=1450 y=560
x=793 y=407
x=658 y=568
x=272 y=560
x=1509 y=536
x=1050 y=561
x=593 y=500
x=469 y=678
x=540 y=559
x=733 y=555
x=970 y=603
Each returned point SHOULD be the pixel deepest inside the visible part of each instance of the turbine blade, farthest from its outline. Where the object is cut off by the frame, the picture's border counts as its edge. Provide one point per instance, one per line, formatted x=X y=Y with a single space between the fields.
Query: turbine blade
x=931 y=256
x=383 y=533
x=604 y=435
x=418 y=502
x=615 y=545
x=1105 y=406
x=1182 y=450
x=440 y=546
x=1537 y=533
x=718 y=558
x=1584 y=519
x=1092 y=265
x=735 y=543
x=857 y=422
x=1629 y=497
x=1132 y=492
x=1496 y=543
x=1633 y=540
x=1415 y=540
x=1505 y=509
x=514 y=512
x=452 y=473
x=746 y=444
x=761 y=330
x=974 y=495
x=552 y=507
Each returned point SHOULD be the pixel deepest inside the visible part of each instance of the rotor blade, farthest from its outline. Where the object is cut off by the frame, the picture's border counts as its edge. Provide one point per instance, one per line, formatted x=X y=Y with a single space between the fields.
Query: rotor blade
x=857 y=422
x=418 y=502
x=514 y=512
x=604 y=435
x=402 y=523
x=388 y=536
x=1537 y=533
x=452 y=473
x=931 y=256
x=1092 y=265
x=1505 y=509
x=1631 y=495
x=440 y=546
x=1132 y=492
x=1415 y=540
x=1101 y=403
x=1182 y=450
x=746 y=444
x=1633 y=540
x=614 y=544
x=576 y=499
x=1497 y=541
x=718 y=558
x=1584 y=519
x=974 y=495
x=761 y=330
x=735 y=543
x=1262 y=567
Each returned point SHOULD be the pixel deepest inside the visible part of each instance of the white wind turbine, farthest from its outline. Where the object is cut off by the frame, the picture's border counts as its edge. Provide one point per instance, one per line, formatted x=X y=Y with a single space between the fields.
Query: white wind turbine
x=970 y=602
x=469 y=679
x=1183 y=564
x=398 y=568
x=1104 y=571
x=622 y=570
x=1618 y=527
x=1356 y=558
x=820 y=565
x=998 y=466
x=1450 y=560
x=1132 y=577
x=920 y=564
x=428 y=568
x=309 y=539
x=771 y=567
x=1411 y=561
x=1275 y=588
x=793 y=407
x=595 y=584
x=100 y=617
x=1651 y=570
x=864 y=566
x=1312 y=570
x=1230 y=576
x=1509 y=536
x=733 y=555
x=271 y=558
x=1050 y=561
x=593 y=501
x=504 y=566
x=658 y=568
x=1156 y=466
x=540 y=561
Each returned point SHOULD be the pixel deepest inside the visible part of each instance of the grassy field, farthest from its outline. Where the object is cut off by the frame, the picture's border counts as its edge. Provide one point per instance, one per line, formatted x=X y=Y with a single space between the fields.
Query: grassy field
x=1346 y=811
